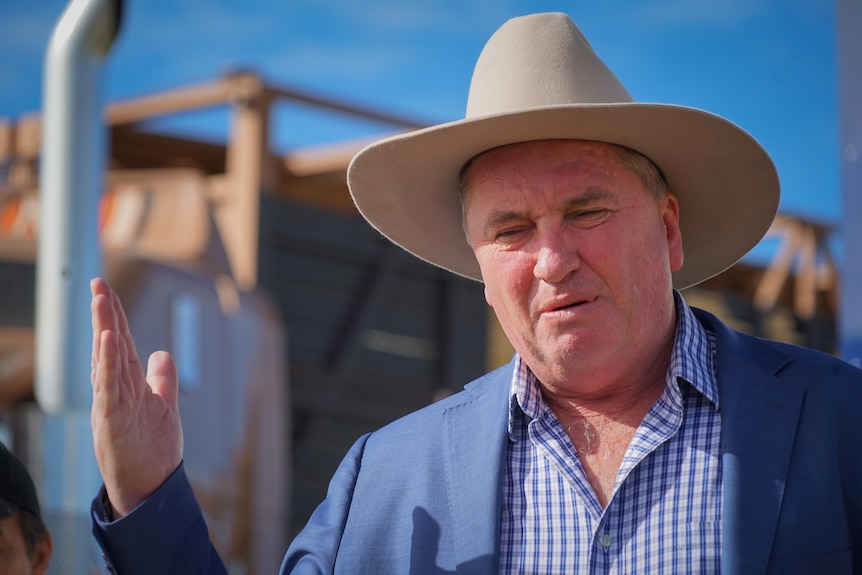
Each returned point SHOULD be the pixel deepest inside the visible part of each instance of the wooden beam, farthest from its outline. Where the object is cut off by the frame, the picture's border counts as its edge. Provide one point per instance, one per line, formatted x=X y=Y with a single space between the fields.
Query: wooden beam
x=131 y=148
x=778 y=270
x=805 y=301
x=313 y=161
x=28 y=137
x=7 y=131
x=804 y=255
x=17 y=361
x=333 y=105
x=12 y=336
x=194 y=97
x=250 y=172
x=18 y=249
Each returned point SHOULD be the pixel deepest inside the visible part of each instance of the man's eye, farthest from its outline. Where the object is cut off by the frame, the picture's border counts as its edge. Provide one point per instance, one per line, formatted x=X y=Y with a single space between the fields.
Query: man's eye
x=590 y=213
x=590 y=217
x=508 y=234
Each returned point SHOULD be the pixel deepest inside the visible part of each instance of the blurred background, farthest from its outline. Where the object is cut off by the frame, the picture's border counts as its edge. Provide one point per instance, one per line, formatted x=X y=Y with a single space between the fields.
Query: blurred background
x=225 y=223
x=769 y=66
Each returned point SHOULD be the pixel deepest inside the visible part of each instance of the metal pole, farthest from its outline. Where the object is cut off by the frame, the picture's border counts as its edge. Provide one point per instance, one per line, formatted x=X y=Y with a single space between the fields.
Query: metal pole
x=74 y=145
x=849 y=19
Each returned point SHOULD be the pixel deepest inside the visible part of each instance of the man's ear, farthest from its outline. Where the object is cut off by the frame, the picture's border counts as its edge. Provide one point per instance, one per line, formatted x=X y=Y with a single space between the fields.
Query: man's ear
x=489 y=297
x=670 y=217
x=42 y=557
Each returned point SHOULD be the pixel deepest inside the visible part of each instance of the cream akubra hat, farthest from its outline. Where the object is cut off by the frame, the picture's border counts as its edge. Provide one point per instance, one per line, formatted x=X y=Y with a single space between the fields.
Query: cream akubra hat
x=539 y=79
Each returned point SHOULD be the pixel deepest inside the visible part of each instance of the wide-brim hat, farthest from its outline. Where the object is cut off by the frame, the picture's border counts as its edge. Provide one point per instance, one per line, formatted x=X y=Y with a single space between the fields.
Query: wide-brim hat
x=538 y=79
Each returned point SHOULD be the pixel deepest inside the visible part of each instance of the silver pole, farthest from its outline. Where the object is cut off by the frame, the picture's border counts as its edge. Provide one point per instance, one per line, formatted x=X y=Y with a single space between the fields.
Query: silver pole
x=849 y=18
x=74 y=145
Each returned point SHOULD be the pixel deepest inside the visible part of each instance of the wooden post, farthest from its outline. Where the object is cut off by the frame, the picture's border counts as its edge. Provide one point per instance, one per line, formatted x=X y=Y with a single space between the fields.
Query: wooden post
x=250 y=172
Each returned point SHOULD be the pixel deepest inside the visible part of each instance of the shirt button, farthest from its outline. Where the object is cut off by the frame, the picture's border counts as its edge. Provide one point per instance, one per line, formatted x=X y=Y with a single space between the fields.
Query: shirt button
x=605 y=541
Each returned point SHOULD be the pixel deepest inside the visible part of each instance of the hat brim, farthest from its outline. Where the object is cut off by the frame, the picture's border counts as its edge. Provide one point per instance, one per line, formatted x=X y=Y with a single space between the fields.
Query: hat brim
x=407 y=186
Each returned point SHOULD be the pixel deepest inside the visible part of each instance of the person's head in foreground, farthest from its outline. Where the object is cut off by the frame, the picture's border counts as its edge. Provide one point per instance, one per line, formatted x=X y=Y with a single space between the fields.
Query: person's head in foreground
x=25 y=541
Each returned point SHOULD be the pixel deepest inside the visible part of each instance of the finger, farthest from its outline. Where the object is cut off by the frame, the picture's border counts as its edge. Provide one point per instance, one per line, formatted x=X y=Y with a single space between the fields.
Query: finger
x=97 y=333
x=105 y=316
x=162 y=377
x=127 y=370
x=123 y=327
x=103 y=320
x=97 y=288
x=105 y=382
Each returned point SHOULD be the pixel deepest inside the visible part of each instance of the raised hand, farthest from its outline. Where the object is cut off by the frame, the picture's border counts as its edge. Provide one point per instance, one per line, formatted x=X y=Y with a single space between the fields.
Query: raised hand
x=137 y=433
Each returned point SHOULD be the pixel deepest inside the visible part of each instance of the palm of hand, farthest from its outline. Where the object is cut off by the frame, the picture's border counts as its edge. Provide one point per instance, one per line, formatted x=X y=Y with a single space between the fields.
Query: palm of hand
x=137 y=433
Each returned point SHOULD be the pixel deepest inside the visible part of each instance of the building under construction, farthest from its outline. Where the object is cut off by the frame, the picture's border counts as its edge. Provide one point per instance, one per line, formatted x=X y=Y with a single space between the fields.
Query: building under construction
x=296 y=327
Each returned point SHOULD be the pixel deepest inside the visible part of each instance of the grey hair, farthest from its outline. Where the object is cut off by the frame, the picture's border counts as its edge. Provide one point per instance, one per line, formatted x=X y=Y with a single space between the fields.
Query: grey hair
x=645 y=169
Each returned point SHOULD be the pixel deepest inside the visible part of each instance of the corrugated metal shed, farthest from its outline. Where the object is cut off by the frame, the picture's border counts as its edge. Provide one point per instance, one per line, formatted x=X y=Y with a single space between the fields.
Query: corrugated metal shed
x=373 y=332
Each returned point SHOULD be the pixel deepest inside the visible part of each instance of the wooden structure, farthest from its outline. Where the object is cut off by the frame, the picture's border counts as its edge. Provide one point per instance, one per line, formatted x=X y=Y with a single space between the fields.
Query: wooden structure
x=372 y=333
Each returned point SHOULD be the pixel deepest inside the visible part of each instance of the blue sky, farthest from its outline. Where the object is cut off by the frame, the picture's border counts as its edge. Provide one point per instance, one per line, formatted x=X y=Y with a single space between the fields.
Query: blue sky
x=767 y=65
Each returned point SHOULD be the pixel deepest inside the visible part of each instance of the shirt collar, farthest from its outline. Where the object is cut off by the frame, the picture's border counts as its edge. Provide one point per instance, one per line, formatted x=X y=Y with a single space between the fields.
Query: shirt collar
x=691 y=360
x=693 y=355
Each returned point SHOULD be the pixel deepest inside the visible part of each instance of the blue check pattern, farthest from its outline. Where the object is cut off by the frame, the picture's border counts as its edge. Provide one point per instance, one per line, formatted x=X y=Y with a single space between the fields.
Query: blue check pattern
x=664 y=515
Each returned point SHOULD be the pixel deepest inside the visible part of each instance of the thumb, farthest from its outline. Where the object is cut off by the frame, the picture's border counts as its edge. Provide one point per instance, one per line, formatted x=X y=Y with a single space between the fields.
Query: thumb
x=162 y=377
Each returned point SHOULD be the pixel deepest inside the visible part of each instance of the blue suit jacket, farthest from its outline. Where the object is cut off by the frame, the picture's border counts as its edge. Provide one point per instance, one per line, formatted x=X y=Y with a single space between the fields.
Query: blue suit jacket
x=422 y=495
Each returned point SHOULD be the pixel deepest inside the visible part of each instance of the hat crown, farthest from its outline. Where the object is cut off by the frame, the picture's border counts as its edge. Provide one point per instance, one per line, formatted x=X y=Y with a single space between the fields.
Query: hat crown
x=540 y=60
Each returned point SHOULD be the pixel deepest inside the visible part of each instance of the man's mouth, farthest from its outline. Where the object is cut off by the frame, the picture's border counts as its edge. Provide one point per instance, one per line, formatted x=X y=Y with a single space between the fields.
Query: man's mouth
x=562 y=306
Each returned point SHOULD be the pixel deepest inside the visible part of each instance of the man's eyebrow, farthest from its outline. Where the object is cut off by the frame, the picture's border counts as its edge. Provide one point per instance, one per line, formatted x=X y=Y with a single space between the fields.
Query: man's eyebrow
x=499 y=218
x=587 y=198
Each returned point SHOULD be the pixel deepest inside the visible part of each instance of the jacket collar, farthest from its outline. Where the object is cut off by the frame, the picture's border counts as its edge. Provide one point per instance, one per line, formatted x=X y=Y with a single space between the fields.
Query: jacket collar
x=475 y=439
x=759 y=415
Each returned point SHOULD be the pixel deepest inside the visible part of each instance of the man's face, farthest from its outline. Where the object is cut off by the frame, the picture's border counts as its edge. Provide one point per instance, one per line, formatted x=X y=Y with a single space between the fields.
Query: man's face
x=576 y=256
x=14 y=559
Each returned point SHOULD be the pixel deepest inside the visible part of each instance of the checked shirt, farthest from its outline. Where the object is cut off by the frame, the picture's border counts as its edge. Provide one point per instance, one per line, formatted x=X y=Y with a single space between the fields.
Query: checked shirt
x=665 y=512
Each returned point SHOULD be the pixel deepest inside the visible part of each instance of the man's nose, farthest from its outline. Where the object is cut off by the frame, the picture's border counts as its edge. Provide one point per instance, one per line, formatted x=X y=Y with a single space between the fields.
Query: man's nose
x=556 y=257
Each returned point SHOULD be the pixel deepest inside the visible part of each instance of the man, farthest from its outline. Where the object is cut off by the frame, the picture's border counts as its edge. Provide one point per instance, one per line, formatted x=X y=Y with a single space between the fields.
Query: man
x=630 y=433
x=25 y=541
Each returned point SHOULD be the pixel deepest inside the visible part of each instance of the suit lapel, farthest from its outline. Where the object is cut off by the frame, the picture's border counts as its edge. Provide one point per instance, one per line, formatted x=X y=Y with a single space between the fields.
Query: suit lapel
x=760 y=411
x=475 y=439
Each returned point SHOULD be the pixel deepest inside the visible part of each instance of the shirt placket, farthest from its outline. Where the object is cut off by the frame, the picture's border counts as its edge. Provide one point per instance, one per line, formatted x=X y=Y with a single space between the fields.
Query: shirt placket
x=604 y=543
x=660 y=425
